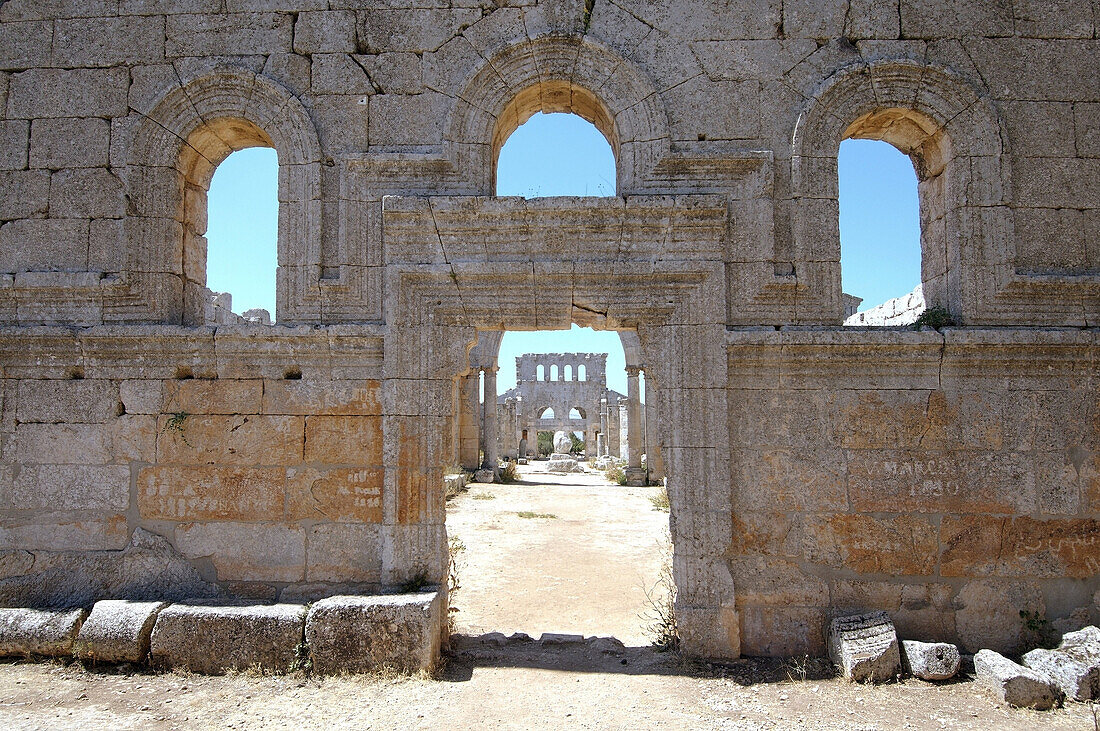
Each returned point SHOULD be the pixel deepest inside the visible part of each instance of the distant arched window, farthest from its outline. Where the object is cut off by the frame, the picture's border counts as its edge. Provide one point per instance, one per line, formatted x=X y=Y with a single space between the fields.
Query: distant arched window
x=554 y=372
x=540 y=373
x=577 y=413
x=568 y=374
x=582 y=372
x=547 y=413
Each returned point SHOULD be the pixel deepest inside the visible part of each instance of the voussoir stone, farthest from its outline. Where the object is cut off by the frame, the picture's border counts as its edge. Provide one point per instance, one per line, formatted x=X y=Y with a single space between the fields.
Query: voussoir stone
x=117 y=630
x=865 y=647
x=1074 y=666
x=212 y=639
x=1015 y=684
x=931 y=660
x=359 y=634
x=46 y=632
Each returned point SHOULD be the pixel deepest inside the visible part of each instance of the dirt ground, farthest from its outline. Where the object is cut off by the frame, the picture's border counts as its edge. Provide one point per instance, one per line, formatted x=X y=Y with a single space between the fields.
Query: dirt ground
x=548 y=575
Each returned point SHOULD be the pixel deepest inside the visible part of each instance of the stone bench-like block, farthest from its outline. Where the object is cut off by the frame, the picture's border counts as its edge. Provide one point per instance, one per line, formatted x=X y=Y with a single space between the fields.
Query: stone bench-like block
x=865 y=647
x=117 y=630
x=46 y=632
x=213 y=639
x=931 y=660
x=1014 y=684
x=359 y=634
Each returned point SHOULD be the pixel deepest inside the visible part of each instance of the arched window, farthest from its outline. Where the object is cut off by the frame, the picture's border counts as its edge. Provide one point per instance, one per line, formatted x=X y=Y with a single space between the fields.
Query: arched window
x=582 y=372
x=576 y=413
x=569 y=149
x=242 y=231
x=540 y=373
x=880 y=233
x=547 y=413
x=568 y=372
x=554 y=372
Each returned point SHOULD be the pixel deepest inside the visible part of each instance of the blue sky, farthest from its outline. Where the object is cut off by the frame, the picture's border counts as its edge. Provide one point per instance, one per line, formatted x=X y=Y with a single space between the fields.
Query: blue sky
x=561 y=154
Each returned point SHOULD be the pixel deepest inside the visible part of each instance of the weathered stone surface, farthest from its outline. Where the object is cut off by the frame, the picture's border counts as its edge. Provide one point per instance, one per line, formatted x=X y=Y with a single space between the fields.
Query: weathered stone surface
x=214 y=638
x=865 y=647
x=361 y=634
x=117 y=630
x=25 y=632
x=988 y=614
x=1074 y=666
x=1014 y=684
x=147 y=569
x=930 y=660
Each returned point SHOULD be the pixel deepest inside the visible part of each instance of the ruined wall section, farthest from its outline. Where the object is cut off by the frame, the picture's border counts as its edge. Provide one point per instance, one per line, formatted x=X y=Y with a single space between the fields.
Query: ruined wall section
x=952 y=480
x=252 y=469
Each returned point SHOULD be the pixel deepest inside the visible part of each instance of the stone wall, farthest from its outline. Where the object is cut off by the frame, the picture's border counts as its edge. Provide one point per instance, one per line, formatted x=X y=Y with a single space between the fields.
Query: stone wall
x=893 y=312
x=811 y=469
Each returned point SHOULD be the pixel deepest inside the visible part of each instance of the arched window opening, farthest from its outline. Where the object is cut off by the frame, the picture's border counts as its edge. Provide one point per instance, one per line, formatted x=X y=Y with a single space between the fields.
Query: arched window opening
x=888 y=169
x=553 y=372
x=568 y=373
x=576 y=413
x=231 y=213
x=569 y=149
x=582 y=373
x=547 y=413
x=242 y=235
x=540 y=373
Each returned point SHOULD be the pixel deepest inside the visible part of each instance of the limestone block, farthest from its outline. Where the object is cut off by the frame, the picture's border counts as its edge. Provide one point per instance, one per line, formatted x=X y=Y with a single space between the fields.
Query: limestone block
x=231 y=440
x=117 y=630
x=24 y=194
x=87 y=42
x=44 y=243
x=397 y=120
x=193 y=493
x=60 y=531
x=228 y=34
x=988 y=614
x=1014 y=684
x=59 y=444
x=338 y=73
x=106 y=245
x=214 y=396
x=777 y=631
x=26 y=45
x=77 y=93
x=73 y=401
x=385 y=29
x=1057 y=19
x=70 y=487
x=1074 y=666
x=344 y=440
x=86 y=193
x=960 y=19
x=69 y=142
x=14 y=141
x=213 y=639
x=335 y=398
x=345 y=553
x=977 y=545
x=342 y=495
x=865 y=647
x=26 y=632
x=930 y=660
x=359 y=634
x=141 y=397
x=246 y=551
x=394 y=73
x=325 y=32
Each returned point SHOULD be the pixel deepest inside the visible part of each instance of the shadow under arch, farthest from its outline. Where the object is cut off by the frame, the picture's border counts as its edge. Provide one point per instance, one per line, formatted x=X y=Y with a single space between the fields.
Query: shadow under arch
x=558 y=74
x=957 y=142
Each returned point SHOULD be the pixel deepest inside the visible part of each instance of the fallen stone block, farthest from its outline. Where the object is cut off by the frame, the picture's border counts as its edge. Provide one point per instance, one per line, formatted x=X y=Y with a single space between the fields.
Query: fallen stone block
x=1074 y=666
x=930 y=660
x=117 y=630
x=865 y=647
x=46 y=632
x=1014 y=684
x=360 y=634
x=214 y=638
x=484 y=476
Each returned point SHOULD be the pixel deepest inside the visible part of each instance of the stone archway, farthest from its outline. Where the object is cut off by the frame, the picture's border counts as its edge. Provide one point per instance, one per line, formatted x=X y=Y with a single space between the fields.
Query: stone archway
x=441 y=296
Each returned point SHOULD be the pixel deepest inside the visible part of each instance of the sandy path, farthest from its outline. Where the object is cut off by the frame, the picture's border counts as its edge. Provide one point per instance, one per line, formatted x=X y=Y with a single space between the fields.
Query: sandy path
x=584 y=571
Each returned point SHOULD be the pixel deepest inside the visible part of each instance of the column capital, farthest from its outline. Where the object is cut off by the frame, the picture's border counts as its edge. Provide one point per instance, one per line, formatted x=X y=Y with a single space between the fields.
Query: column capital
x=633 y=371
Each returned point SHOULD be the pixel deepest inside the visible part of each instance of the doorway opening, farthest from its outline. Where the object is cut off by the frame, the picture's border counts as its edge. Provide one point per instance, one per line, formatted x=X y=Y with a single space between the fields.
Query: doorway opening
x=564 y=543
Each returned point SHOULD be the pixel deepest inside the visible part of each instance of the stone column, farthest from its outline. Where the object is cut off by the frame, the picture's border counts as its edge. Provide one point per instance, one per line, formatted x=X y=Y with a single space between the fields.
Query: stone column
x=654 y=463
x=469 y=423
x=490 y=435
x=635 y=475
x=604 y=426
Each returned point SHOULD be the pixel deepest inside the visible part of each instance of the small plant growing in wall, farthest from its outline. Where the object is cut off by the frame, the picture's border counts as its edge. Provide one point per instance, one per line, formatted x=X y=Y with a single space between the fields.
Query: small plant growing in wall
x=935 y=318
x=175 y=424
x=1037 y=629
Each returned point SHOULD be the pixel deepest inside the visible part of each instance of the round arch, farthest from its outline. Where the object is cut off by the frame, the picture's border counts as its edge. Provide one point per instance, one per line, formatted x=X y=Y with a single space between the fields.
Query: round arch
x=957 y=143
x=173 y=154
x=558 y=74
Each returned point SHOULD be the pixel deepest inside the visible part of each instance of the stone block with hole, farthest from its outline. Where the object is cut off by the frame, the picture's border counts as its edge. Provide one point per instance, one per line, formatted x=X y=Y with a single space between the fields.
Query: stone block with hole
x=212 y=639
x=361 y=634
x=43 y=632
x=117 y=630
